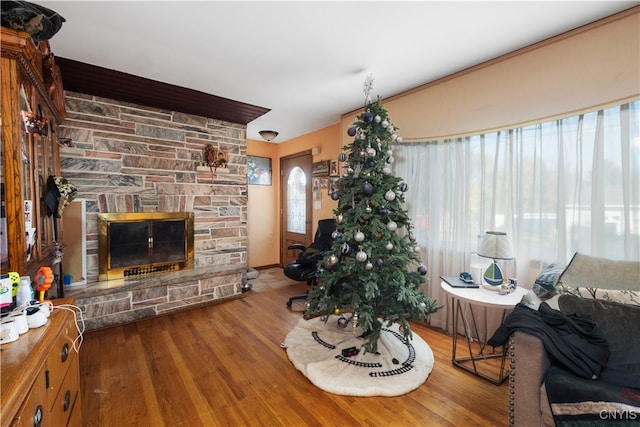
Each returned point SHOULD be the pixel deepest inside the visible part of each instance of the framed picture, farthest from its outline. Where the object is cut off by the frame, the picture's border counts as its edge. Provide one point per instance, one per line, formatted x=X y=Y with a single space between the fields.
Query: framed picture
x=333 y=184
x=324 y=182
x=321 y=168
x=333 y=168
x=258 y=170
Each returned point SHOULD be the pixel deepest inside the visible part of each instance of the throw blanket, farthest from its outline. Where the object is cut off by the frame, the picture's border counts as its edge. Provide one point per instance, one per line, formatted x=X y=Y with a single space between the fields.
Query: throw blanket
x=574 y=341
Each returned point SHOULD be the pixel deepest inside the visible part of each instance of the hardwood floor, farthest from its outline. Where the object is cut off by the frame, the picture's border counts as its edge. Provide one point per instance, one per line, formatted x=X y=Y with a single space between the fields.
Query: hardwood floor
x=222 y=365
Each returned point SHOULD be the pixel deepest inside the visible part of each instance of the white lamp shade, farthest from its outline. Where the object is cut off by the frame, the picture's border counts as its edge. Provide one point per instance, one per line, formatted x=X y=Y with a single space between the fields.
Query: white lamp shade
x=495 y=245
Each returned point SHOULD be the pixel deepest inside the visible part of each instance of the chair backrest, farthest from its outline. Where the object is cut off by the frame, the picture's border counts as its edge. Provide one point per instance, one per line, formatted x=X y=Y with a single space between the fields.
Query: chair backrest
x=321 y=243
x=323 y=239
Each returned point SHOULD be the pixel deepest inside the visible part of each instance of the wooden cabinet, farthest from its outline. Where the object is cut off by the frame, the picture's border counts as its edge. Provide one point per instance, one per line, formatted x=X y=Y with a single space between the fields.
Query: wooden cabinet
x=31 y=83
x=40 y=376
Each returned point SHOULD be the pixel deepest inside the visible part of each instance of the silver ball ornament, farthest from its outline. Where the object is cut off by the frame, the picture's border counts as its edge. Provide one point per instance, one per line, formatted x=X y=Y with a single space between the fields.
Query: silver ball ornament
x=386 y=170
x=388 y=246
x=359 y=236
x=368 y=266
x=377 y=119
x=361 y=256
x=390 y=195
x=333 y=260
x=392 y=226
x=385 y=123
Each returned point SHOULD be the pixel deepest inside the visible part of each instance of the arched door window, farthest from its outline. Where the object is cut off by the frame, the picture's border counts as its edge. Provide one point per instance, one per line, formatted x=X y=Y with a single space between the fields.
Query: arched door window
x=296 y=201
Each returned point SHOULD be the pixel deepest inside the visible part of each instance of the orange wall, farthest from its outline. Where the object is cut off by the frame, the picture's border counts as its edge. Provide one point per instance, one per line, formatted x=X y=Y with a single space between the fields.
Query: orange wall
x=263 y=212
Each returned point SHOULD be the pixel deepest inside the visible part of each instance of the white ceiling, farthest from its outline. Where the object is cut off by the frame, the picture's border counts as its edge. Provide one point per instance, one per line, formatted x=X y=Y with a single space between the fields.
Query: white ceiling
x=306 y=61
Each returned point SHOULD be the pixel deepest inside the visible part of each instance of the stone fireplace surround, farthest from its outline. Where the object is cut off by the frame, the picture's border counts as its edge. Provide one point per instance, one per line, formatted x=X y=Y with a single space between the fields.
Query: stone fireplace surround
x=125 y=157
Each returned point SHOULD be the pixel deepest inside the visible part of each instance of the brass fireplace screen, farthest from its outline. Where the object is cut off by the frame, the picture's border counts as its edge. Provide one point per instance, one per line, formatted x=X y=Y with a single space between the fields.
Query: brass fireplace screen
x=134 y=244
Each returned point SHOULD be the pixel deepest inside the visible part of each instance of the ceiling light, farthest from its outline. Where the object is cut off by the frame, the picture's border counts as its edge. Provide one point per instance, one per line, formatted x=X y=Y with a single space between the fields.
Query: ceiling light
x=268 y=135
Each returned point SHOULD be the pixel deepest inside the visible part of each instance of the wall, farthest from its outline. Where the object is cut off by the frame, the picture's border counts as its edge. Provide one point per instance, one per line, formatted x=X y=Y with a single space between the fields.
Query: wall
x=130 y=158
x=264 y=201
x=592 y=66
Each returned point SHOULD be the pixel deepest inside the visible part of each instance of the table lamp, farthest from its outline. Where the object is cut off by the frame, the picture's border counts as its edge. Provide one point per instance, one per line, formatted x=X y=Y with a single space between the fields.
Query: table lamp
x=495 y=246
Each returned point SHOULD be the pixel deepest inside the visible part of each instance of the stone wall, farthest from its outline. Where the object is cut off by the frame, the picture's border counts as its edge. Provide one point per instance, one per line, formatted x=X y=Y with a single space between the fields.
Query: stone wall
x=129 y=158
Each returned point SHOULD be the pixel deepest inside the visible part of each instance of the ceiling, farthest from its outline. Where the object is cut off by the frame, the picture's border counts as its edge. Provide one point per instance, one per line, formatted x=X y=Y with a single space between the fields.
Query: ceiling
x=306 y=62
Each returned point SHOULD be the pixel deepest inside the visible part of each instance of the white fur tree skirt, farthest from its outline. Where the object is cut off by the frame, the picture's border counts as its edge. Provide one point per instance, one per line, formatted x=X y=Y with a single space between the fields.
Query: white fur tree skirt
x=315 y=348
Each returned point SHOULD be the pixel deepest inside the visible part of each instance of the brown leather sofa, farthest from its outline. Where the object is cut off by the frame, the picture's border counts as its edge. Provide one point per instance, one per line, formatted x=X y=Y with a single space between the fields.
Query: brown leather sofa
x=588 y=277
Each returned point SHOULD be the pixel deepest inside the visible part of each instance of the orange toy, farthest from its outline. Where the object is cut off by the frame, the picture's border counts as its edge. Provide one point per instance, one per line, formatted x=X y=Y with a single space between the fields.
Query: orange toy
x=44 y=278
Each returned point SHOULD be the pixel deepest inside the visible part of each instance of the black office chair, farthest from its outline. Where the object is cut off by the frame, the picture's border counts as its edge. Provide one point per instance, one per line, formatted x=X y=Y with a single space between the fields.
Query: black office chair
x=305 y=267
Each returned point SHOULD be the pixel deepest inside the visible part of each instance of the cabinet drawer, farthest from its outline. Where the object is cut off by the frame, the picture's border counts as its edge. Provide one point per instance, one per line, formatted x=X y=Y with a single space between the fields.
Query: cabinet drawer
x=59 y=359
x=33 y=412
x=63 y=405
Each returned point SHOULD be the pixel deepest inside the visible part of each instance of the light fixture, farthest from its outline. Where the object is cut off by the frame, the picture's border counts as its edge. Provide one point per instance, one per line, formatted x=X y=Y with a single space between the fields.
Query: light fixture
x=268 y=135
x=495 y=245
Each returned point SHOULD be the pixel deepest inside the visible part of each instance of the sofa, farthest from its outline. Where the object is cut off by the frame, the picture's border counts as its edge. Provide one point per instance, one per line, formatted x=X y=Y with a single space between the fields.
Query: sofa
x=607 y=292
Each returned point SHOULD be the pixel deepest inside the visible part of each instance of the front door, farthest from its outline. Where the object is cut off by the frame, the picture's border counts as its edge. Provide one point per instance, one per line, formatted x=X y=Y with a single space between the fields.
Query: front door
x=296 y=224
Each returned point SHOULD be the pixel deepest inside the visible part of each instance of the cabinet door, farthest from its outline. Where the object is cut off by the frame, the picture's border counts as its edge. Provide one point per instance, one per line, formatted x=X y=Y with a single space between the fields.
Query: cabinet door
x=34 y=412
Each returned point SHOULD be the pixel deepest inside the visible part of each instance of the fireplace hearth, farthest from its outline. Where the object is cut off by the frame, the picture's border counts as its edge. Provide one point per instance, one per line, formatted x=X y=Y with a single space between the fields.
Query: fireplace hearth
x=135 y=244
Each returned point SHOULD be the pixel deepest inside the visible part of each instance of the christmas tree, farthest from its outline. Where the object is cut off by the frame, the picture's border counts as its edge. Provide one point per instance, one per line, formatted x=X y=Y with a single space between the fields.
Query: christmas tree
x=372 y=272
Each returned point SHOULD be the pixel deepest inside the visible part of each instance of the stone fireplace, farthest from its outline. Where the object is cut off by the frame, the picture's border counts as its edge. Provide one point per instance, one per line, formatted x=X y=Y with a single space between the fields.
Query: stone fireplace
x=127 y=159
x=135 y=244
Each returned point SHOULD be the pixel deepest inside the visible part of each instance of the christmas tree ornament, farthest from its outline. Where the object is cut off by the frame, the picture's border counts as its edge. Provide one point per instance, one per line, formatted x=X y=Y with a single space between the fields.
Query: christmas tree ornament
x=359 y=237
x=394 y=136
x=368 y=117
x=342 y=157
x=389 y=152
x=388 y=246
x=371 y=152
x=367 y=188
x=333 y=260
x=416 y=248
x=403 y=187
x=386 y=170
x=383 y=210
x=368 y=266
x=345 y=248
x=371 y=163
x=379 y=261
x=351 y=131
x=335 y=195
x=343 y=322
x=339 y=218
x=392 y=226
x=378 y=236
x=401 y=329
x=390 y=159
x=384 y=123
x=377 y=119
x=390 y=195
x=334 y=234
x=399 y=139
x=422 y=270
x=361 y=256
x=336 y=311
x=354 y=322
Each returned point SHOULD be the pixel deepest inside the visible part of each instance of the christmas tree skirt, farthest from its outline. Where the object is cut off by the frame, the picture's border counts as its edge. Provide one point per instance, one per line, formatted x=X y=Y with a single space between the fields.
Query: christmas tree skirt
x=316 y=349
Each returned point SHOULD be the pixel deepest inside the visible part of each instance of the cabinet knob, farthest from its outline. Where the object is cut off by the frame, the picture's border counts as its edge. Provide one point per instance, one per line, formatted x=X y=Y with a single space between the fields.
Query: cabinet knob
x=66 y=401
x=37 y=416
x=64 y=353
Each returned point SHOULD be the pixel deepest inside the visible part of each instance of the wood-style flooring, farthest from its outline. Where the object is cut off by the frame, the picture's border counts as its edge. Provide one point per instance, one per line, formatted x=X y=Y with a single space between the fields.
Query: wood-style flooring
x=222 y=365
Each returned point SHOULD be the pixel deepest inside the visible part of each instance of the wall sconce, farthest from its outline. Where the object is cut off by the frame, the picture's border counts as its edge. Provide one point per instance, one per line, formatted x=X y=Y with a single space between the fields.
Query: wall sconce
x=268 y=135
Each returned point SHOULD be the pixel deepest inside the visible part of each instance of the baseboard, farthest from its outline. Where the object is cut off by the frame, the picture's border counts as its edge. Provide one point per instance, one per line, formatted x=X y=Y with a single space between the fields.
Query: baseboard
x=266 y=267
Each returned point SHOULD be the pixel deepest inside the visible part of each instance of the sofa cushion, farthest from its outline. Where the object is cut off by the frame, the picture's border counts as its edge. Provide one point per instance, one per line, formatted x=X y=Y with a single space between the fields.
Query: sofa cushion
x=600 y=278
x=619 y=324
x=579 y=401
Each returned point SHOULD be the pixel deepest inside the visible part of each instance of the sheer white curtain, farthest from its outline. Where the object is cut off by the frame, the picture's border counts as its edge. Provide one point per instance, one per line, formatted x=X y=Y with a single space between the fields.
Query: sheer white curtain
x=565 y=186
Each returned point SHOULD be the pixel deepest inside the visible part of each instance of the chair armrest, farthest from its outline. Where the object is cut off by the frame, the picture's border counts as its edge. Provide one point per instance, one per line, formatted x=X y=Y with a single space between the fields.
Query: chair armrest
x=529 y=364
x=297 y=246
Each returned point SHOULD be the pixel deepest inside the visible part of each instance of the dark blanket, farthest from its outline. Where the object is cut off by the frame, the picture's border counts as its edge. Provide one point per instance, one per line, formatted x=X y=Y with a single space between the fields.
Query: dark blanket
x=573 y=341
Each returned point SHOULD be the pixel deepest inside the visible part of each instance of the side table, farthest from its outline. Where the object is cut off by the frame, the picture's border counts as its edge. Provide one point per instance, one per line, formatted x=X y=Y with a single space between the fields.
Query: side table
x=484 y=298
